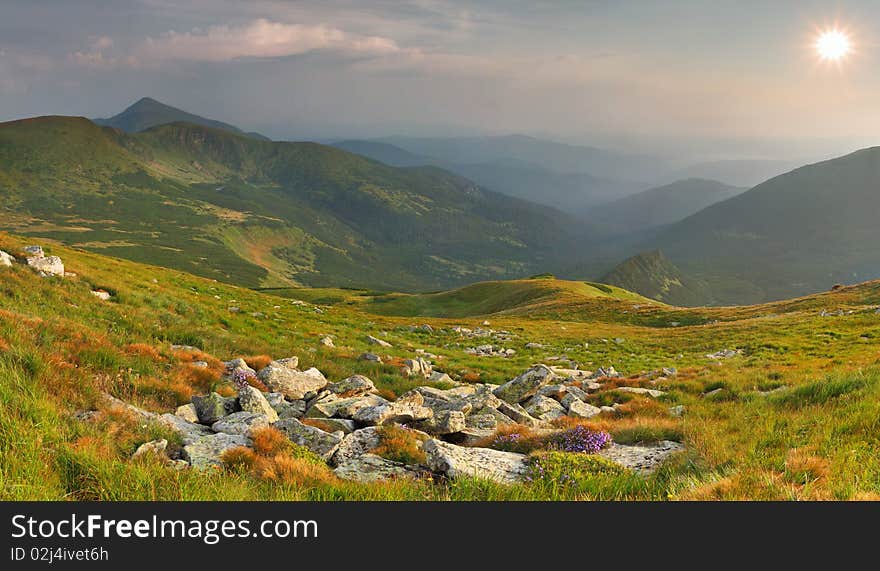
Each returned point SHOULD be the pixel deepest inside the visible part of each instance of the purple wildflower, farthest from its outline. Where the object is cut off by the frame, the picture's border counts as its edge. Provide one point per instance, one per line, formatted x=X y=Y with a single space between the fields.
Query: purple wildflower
x=582 y=439
x=240 y=378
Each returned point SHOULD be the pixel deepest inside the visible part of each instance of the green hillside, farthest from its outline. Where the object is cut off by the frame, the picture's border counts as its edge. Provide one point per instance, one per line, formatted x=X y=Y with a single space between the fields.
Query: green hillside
x=654 y=276
x=797 y=233
x=258 y=213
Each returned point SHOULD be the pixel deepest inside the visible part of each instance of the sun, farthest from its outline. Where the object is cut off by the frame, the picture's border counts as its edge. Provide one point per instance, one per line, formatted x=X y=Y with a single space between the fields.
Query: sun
x=833 y=45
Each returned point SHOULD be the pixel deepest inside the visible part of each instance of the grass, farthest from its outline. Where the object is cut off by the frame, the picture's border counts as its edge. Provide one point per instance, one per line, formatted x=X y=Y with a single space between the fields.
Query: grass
x=817 y=437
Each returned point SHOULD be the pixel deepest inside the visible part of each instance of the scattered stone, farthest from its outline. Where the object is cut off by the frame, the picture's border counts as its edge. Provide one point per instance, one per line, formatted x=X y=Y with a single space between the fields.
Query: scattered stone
x=206 y=452
x=544 y=408
x=101 y=294
x=371 y=357
x=187 y=412
x=327 y=341
x=156 y=447
x=642 y=458
x=35 y=251
x=283 y=377
x=242 y=422
x=457 y=461
x=653 y=393
x=444 y=422
x=525 y=385
x=417 y=367
x=47 y=266
x=213 y=407
x=677 y=410
x=377 y=341
x=407 y=408
x=532 y=345
x=440 y=377
x=580 y=409
x=189 y=432
x=724 y=354
x=251 y=399
x=356 y=444
x=354 y=385
x=519 y=415
x=6 y=260
x=368 y=468
x=322 y=443
x=199 y=364
x=335 y=425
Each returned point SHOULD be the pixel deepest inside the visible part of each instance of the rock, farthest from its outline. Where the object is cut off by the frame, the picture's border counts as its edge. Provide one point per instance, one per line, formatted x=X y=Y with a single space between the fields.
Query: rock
x=322 y=443
x=370 y=357
x=294 y=409
x=371 y=468
x=407 y=408
x=653 y=393
x=677 y=410
x=471 y=436
x=242 y=422
x=519 y=415
x=377 y=341
x=206 y=452
x=101 y=294
x=47 y=266
x=642 y=458
x=327 y=341
x=608 y=409
x=356 y=444
x=669 y=371
x=445 y=422
x=342 y=408
x=556 y=392
x=532 y=345
x=187 y=412
x=481 y=421
x=236 y=365
x=571 y=375
x=199 y=364
x=580 y=409
x=156 y=447
x=354 y=385
x=213 y=407
x=417 y=367
x=138 y=412
x=335 y=425
x=251 y=399
x=35 y=251
x=274 y=399
x=544 y=408
x=290 y=382
x=525 y=385
x=440 y=377
x=725 y=353
x=457 y=461
x=189 y=432
x=6 y=260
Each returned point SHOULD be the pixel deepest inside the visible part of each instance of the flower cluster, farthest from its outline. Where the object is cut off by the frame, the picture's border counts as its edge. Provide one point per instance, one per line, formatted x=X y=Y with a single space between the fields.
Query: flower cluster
x=240 y=378
x=582 y=439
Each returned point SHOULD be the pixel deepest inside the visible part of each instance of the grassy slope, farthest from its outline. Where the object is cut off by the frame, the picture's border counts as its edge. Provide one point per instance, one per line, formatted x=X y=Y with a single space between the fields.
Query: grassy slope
x=259 y=213
x=60 y=347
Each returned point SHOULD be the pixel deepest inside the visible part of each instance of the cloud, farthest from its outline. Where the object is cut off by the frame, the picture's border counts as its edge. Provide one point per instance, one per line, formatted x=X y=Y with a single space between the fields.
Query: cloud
x=259 y=38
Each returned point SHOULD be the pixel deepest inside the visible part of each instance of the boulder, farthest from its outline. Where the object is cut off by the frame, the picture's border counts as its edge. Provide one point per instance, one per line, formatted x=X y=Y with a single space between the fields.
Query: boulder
x=187 y=412
x=6 y=260
x=334 y=425
x=251 y=399
x=189 y=432
x=544 y=408
x=213 y=407
x=417 y=367
x=581 y=409
x=153 y=447
x=525 y=385
x=236 y=365
x=293 y=409
x=368 y=468
x=642 y=458
x=519 y=415
x=35 y=251
x=356 y=444
x=342 y=408
x=242 y=422
x=653 y=393
x=457 y=461
x=445 y=422
x=47 y=266
x=440 y=377
x=407 y=408
x=206 y=452
x=290 y=382
x=371 y=357
x=471 y=436
x=322 y=443
x=354 y=385
x=376 y=341
x=101 y=294
x=327 y=341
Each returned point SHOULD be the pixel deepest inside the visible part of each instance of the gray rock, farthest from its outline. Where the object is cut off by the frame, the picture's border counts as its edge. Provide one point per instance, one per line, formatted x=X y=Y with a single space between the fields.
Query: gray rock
x=525 y=385
x=213 y=407
x=677 y=410
x=407 y=408
x=371 y=468
x=354 y=385
x=377 y=341
x=440 y=377
x=580 y=409
x=35 y=251
x=445 y=422
x=642 y=458
x=370 y=357
x=294 y=409
x=153 y=447
x=336 y=425
x=322 y=443
x=293 y=384
x=653 y=393
x=47 y=266
x=327 y=341
x=251 y=399
x=136 y=411
x=187 y=412
x=6 y=260
x=343 y=408
x=103 y=296
x=457 y=461
x=417 y=367
x=189 y=432
x=519 y=415
x=471 y=436
x=242 y=422
x=356 y=444
x=544 y=408
x=206 y=452
x=274 y=399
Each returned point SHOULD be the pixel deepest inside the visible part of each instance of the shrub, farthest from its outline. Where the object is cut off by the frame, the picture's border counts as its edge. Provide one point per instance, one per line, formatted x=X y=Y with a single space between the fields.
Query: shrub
x=399 y=444
x=257 y=362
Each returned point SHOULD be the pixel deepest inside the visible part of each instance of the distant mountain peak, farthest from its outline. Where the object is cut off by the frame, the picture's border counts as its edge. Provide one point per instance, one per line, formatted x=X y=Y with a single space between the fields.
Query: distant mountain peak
x=652 y=275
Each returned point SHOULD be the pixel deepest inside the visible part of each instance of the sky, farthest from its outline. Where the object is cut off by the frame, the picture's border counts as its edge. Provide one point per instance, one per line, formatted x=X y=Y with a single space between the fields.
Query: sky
x=720 y=79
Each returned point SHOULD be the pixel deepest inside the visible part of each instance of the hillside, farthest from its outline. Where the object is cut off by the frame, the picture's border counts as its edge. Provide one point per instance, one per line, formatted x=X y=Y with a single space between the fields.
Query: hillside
x=744 y=173
x=384 y=153
x=660 y=206
x=655 y=277
x=797 y=233
x=147 y=112
x=805 y=368
x=259 y=213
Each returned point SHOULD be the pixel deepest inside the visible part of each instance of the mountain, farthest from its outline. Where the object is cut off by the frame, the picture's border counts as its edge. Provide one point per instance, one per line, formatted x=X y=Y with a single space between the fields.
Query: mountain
x=258 y=213
x=560 y=158
x=146 y=113
x=652 y=275
x=797 y=233
x=661 y=206
x=743 y=173
x=384 y=153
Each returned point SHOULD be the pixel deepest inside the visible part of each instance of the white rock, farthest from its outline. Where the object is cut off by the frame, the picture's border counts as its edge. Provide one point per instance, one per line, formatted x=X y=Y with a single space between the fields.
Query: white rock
x=457 y=461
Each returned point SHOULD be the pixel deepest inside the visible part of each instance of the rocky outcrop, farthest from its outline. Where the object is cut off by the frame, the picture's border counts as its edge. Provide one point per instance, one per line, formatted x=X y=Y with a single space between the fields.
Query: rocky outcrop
x=352 y=386
x=407 y=408
x=525 y=385
x=6 y=260
x=251 y=399
x=213 y=407
x=642 y=458
x=207 y=451
x=285 y=378
x=321 y=443
x=44 y=265
x=457 y=461
x=368 y=468
x=356 y=444
x=241 y=422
